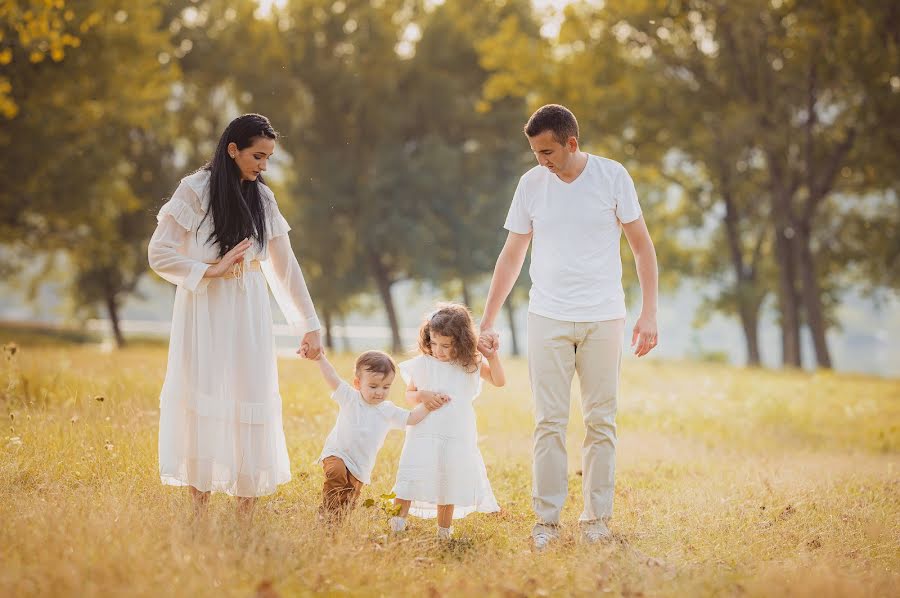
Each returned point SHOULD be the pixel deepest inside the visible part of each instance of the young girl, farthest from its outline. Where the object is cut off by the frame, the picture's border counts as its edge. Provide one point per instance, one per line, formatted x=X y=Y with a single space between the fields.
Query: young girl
x=441 y=470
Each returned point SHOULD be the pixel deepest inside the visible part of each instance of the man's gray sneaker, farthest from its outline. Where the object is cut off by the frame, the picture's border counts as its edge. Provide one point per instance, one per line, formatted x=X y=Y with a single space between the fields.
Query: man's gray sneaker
x=541 y=540
x=542 y=535
x=595 y=532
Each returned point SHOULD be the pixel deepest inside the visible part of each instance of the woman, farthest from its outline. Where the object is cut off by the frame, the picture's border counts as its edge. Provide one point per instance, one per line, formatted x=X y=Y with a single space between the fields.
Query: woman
x=219 y=239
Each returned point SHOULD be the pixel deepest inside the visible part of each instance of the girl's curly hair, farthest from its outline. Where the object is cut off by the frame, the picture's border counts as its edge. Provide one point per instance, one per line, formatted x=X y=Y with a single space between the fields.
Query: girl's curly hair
x=453 y=320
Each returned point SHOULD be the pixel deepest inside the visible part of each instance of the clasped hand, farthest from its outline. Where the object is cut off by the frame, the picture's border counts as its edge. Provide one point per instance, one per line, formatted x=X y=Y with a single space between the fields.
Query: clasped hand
x=488 y=342
x=311 y=345
x=435 y=400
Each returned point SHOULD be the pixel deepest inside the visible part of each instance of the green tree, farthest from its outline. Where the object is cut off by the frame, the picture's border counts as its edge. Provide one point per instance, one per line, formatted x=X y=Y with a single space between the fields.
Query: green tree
x=756 y=109
x=90 y=130
x=228 y=55
x=467 y=155
x=32 y=31
x=343 y=66
x=603 y=94
x=801 y=86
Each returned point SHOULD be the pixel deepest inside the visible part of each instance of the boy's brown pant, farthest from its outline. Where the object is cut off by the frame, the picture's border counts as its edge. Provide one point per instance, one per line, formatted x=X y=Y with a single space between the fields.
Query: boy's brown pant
x=341 y=489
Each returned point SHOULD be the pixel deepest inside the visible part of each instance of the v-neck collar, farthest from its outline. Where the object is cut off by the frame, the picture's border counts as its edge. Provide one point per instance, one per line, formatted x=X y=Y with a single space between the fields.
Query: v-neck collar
x=577 y=178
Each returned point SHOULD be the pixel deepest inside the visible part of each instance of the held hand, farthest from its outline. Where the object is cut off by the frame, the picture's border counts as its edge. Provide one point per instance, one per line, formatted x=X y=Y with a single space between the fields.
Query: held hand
x=487 y=348
x=311 y=345
x=234 y=255
x=302 y=353
x=435 y=400
x=489 y=338
x=645 y=336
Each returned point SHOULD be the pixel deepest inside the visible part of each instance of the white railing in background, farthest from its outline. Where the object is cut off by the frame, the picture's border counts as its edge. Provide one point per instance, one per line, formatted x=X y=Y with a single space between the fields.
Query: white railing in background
x=356 y=336
x=158 y=328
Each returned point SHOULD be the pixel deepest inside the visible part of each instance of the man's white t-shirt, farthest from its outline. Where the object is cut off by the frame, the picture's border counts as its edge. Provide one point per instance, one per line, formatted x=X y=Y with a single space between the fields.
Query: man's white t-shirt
x=576 y=266
x=360 y=430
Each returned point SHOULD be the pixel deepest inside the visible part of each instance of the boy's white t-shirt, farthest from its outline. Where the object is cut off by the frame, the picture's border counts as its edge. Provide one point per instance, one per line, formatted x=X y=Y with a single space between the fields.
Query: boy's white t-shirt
x=576 y=266
x=360 y=430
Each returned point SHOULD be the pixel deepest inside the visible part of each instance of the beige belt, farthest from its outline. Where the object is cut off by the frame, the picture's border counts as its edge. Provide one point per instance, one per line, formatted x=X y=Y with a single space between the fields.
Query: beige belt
x=238 y=269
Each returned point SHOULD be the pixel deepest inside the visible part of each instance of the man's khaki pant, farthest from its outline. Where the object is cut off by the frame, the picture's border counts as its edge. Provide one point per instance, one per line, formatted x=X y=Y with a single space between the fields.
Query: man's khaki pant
x=341 y=488
x=556 y=351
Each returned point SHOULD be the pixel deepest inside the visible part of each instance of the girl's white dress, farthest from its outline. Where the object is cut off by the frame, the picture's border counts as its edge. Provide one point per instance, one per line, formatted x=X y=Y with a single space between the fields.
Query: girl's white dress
x=220 y=409
x=440 y=463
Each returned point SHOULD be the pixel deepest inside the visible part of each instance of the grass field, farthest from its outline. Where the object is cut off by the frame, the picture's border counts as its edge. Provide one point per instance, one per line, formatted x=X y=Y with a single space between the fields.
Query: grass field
x=730 y=482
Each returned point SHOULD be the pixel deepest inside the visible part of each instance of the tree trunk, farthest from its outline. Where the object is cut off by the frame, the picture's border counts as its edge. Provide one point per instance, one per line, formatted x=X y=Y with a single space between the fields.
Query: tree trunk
x=384 y=283
x=329 y=340
x=466 y=296
x=746 y=291
x=344 y=338
x=112 y=309
x=788 y=300
x=750 y=324
x=511 y=319
x=812 y=298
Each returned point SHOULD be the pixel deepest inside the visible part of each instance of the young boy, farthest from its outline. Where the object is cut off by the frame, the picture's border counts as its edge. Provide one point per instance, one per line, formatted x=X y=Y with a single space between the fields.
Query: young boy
x=364 y=419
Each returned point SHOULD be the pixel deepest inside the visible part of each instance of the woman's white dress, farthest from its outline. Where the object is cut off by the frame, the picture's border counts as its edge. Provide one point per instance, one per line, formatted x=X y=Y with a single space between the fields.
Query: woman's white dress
x=220 y=408
x=441 y=463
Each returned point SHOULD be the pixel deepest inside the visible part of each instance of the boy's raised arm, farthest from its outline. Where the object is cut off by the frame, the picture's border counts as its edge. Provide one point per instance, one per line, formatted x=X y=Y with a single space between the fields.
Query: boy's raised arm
x=328 y=372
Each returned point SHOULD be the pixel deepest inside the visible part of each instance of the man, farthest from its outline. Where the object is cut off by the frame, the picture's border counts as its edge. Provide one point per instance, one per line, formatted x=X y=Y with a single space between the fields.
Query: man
x=573 y=207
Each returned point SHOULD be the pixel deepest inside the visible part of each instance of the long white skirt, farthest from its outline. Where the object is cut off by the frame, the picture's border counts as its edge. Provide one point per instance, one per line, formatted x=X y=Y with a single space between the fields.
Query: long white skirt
x=220 y=409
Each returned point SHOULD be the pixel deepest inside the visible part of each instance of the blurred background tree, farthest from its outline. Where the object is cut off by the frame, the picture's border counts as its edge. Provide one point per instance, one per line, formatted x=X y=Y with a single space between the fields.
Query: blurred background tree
x=762 y=137
x=757 y=112
x=89 y=151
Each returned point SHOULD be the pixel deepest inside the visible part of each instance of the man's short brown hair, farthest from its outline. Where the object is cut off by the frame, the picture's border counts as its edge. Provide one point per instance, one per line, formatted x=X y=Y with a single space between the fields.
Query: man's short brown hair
x=377 y=362
x=555 y=118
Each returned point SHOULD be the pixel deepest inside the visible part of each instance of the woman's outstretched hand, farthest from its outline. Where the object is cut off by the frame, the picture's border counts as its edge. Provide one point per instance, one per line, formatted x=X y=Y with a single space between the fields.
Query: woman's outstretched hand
x=224 y=265
x=311 y=345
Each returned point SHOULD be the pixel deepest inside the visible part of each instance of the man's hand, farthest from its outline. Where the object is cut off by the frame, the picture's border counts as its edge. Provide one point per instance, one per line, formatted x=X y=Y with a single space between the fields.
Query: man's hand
x=645 y=336
x=310 y=345
x=435 y=400
x=489 y=341
x=488 y=346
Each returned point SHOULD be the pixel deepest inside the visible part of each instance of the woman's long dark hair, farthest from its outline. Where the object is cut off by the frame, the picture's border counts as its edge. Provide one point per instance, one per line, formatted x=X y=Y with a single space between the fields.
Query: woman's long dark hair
x=237 y=206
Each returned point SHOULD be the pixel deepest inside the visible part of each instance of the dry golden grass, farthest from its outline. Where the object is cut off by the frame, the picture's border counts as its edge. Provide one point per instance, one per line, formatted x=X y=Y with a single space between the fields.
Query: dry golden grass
x=730 y=482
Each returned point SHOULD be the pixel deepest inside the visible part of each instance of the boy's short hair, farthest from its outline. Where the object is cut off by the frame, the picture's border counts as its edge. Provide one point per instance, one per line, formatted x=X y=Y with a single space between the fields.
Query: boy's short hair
x=377 y=362
x=555 y=118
